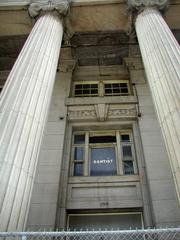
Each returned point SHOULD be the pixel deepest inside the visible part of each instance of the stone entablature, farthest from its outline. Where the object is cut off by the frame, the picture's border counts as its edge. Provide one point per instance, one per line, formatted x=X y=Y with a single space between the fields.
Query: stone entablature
x=102 y=112
x=101 y=108
x=85 y=16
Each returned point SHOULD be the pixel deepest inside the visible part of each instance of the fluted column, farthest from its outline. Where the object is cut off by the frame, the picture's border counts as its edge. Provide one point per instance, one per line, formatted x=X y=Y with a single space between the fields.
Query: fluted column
x=24 y=106
x=161 y=57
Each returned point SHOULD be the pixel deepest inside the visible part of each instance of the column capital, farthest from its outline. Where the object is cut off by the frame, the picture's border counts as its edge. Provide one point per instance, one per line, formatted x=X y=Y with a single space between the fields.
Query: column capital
x=62 y=7
x=139 y=5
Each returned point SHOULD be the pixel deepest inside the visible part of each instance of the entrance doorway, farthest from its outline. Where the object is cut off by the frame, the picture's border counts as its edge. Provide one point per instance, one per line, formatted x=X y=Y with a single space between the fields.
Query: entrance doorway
x=105 y=221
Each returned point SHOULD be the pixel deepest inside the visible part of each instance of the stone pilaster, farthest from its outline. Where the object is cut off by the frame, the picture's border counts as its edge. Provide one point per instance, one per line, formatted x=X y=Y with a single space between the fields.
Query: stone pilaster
x=24 y=106
x=161 y=56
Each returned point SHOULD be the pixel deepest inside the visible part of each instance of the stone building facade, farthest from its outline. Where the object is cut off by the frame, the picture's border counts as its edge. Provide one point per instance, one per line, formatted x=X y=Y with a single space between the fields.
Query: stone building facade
x=89 y=119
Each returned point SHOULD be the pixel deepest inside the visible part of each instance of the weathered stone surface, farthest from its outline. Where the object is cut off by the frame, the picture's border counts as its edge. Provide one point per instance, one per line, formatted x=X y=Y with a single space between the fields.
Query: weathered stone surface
x=60 y=6
x=161 y=53
x=160 y=181
x=141 y=4
x=24 y=107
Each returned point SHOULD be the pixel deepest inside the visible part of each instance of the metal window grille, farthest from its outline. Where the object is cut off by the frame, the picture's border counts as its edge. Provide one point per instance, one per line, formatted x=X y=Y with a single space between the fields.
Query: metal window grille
x=148 y=234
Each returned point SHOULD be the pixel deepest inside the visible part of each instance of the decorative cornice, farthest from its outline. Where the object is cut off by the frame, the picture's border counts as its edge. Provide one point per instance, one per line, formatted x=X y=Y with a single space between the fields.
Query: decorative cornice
x=61 y=7
x=139 y=5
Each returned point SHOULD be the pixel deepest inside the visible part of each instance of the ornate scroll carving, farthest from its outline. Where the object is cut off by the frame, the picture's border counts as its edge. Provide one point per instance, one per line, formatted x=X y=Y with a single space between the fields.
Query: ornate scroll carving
x=61 y=7
x=141 y=4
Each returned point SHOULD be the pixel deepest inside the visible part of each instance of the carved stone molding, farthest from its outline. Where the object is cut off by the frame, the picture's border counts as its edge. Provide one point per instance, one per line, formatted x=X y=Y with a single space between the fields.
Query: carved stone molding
x=102 y=112
x=141 y=4
x=61 y=8
x=81 y=114
x=66 y=66
x=122 y=112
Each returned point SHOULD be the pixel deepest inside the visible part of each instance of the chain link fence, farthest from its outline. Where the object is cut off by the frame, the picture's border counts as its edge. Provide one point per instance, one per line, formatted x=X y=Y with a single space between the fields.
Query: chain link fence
x=148 y=234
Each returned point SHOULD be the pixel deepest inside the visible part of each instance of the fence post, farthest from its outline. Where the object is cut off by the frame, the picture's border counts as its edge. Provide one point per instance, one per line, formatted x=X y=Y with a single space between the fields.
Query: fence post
x=24 y=237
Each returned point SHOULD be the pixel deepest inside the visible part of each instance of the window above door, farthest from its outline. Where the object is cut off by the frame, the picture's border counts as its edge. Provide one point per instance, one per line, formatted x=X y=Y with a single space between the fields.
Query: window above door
x=101 y=88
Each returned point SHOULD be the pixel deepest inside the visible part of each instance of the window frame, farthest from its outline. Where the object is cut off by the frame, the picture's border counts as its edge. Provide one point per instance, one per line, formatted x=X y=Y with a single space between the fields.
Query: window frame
x=101 y=88
x=118 y=82
x=85 y=83
x=74 y=146
x=117 y=146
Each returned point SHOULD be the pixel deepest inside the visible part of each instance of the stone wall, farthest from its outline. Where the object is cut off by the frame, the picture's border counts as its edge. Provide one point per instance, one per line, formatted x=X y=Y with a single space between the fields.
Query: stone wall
x=164 y=202
x=152 y=191
x=46 y=187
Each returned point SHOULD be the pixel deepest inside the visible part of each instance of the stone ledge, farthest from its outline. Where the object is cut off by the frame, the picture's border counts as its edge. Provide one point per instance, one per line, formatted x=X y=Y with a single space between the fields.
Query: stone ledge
x=106 y=179
x=73 y=101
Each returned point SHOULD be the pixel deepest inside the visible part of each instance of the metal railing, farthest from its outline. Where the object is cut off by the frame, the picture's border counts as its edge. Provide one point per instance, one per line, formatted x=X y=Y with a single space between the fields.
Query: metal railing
x=147 y=234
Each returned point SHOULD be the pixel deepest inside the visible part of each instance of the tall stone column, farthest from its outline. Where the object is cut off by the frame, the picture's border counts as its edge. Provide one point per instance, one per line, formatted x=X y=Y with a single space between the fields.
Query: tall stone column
x=161 y=57
x=23 y=111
